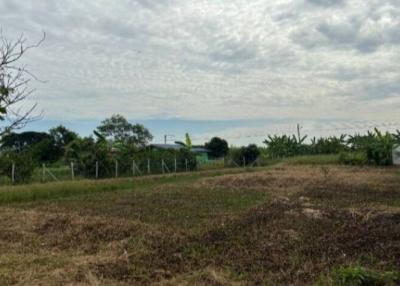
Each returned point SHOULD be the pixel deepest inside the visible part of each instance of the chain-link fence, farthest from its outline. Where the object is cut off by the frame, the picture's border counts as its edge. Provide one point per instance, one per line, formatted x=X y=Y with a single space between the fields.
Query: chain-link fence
x=16 y=173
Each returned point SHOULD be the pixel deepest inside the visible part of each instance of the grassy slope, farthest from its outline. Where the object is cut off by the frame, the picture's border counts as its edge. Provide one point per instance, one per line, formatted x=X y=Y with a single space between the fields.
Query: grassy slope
x=63 y=173
x=62 y=189
x=273 y=226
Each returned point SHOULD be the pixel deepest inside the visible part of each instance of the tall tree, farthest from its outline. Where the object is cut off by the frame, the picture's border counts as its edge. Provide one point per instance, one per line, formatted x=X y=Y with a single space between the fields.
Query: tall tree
x=14 y=83
x=39 y=144
x=218 y=147
x=118 y=130
x=249 y=154
x=22 y=141
x=62 y=136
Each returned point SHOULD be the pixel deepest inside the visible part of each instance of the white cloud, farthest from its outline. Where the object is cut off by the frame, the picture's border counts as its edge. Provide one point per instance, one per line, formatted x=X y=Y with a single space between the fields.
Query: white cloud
x=310 y=59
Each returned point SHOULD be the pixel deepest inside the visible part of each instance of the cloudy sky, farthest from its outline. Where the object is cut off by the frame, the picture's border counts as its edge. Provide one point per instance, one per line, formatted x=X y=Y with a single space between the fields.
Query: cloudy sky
x=235 y=68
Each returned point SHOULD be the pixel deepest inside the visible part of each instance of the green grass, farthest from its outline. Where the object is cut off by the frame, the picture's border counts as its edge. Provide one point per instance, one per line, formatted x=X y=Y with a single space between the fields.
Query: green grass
x=63 y=172
x=313 y=160
x=60 y=172
x=212 y=165
x=171 y=203
x=162 y=200
x=56 y=190
x=359 y=276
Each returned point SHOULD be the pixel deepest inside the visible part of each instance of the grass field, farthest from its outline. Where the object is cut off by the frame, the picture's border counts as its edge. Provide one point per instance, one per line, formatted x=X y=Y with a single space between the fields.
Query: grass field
x=288 y=224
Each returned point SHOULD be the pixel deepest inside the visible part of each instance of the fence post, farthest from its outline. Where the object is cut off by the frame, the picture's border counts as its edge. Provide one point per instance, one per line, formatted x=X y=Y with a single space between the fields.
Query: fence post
x=43 y=172
x=244 y=162
x=148 y=166
x=186 y=164
x=97 y=169
x=116 y=168
x=176 y=165
x=223 y=162
x=135 y=169
x=72 y=170
x=162 y=165
x=13 y=173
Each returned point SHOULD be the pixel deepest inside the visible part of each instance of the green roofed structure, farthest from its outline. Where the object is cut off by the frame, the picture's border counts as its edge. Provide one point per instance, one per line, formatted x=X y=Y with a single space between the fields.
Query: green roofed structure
x=200 y=152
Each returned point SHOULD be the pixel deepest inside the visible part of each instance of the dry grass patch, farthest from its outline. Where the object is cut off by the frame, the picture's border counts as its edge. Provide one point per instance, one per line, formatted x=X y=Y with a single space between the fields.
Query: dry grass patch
x=283 y=226
x=206 y=277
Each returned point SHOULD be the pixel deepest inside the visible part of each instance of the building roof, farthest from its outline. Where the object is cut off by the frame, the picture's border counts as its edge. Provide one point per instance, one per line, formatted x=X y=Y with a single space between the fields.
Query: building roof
x=194 y=149
x=167 y=146
x=199 y=150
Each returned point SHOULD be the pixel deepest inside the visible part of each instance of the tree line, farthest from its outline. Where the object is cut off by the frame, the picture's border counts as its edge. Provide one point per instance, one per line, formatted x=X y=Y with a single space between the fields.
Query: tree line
x=114 y=140
x=375 y=147
x=118 y=140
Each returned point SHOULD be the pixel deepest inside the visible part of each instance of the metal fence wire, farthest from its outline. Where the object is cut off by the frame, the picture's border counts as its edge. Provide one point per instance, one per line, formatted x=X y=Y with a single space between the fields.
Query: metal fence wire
x=120 y=169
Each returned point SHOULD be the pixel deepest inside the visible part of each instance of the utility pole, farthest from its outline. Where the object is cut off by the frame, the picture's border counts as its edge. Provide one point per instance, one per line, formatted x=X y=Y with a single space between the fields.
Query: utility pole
x=299 y=131
x=166 y=136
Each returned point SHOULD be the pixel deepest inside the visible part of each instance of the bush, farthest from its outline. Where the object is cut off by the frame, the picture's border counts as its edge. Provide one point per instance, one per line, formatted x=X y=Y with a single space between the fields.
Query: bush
x=155 y=156
x=285 y=146
x=330 y=145
x=358 y=276
x=218 y=147
x=24 y=166
x=245 y=155
x=353 y=158
x=377 y=146
x=86 y=152
x=380 y=150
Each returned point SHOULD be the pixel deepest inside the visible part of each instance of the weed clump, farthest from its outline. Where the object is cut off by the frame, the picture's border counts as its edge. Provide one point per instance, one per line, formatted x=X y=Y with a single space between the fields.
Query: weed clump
x=359 y=276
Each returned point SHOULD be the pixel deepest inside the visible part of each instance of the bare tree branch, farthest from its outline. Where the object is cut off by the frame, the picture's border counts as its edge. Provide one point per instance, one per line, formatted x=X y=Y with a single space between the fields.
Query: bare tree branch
x=14 y=83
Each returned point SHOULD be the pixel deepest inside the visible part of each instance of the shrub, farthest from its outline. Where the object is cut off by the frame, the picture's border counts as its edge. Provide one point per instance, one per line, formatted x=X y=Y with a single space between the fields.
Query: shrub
x=24 y=166
x=285 y=146
x=358 y=276
x=155 y=156
x=86 y=152
x=245 y=155
x=377 y=146
x=218 y=147
x=289 y=146
x=353 y=158
x=330 y=145
x=380 y=150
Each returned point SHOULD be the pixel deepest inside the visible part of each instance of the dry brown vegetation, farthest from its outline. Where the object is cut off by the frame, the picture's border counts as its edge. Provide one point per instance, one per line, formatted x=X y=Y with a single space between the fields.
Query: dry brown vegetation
x=280 y=226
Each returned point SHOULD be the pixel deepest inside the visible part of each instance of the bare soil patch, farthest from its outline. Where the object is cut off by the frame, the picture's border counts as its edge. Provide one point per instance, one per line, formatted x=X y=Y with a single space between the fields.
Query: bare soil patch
x=315 y=219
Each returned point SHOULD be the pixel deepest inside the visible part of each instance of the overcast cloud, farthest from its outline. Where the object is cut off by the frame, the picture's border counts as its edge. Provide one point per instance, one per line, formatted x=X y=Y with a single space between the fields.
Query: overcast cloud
x=308 y=59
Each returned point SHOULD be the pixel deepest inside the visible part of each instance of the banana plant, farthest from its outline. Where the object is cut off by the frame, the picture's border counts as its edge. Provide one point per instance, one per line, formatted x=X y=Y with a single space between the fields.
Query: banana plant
x=396 y=136
x=188 y=141
x=380 y=150
x=284 y=146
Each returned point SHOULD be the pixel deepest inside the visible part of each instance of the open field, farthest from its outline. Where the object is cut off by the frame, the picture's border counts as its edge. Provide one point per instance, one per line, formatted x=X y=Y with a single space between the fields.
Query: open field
x=281 y=225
